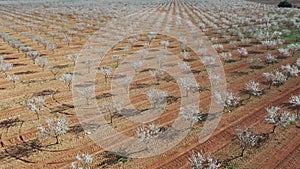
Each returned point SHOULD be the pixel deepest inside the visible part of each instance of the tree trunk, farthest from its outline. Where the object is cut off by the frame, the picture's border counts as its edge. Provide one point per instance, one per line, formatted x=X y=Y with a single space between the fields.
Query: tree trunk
x=111 y=118
x=57 y=140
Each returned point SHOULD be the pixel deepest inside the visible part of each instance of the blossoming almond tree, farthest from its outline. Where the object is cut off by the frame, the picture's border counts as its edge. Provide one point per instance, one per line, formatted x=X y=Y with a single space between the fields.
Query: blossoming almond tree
x=290 y=70
x=33 y=55
x=293 y=47
x=54 y=70
x=67 y=78
x=276 y=119
x=106 y=71
x=197 y=161
x=247 y=139
x=41 y=62
x=253 y=89
x=243 y=52
x=146 y=133
x=156 y=97
x=284 y=53
x=112 y=109
x=191 y=113
x=295 y=102
x=55 y=128
x=270 y=59
x=73 y=58
x=298 y=62
x=188 y=84
x=89 y=64
x=117 y=59
x=5 y=68
x=136 y=65
x=14 y=79
x=87 y=93
x=277 y=78
x=35 y=105
x=84 y=161
x=157 y=73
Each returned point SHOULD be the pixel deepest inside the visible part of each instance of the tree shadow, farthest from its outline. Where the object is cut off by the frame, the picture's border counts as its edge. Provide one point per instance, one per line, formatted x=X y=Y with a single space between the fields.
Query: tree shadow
x=61 y=109
x=19 y=64
x=21 y=151
x=6 y=124
x=132 y=112
x=8 y=53
x=256 y=67
x=172 y=99
x=25 y=73
x=189 y=60
x=44 y=93
x=239 y=73
x=76 y=129
x=104 y=95
x=140 y=85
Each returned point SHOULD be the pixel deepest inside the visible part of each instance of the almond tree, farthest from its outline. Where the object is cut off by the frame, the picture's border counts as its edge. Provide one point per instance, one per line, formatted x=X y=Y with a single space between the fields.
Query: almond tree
x=106 y=71
x=226 y=56
x=112 y=109
x=35 y=105
x=276 y=78
x=116 y=58
x=51 y=47
x=125 y=81
x=188 y=84
x=160 y=61
x=298 y=62
x=67 y=39
x=284 y=52
x=157 y=73
x=55 y=128
x=89 y=64
x=146 y=133
x=83 y=161
x=66 y=78
x=151 y=37
x=270 y=59
x=197 y=161
x=293 y=48
x=131 y=41
x=232 y=100
x=247 y=139
x=33 y=55
x=156 y=97
x=243 y=52
x=276 y=119
x=255 y=63
x=252 y=88
x=185 y=54
x=143 y=53
x=25 y=49
x=73 y=58
x=13 y=79
x=54 y=70
x=136 y=65
x=165 y=44
x=191 y=113
x=295 y=102
x=87 y=93
x=5 y=68
x=41 y=62
x=290 y=70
